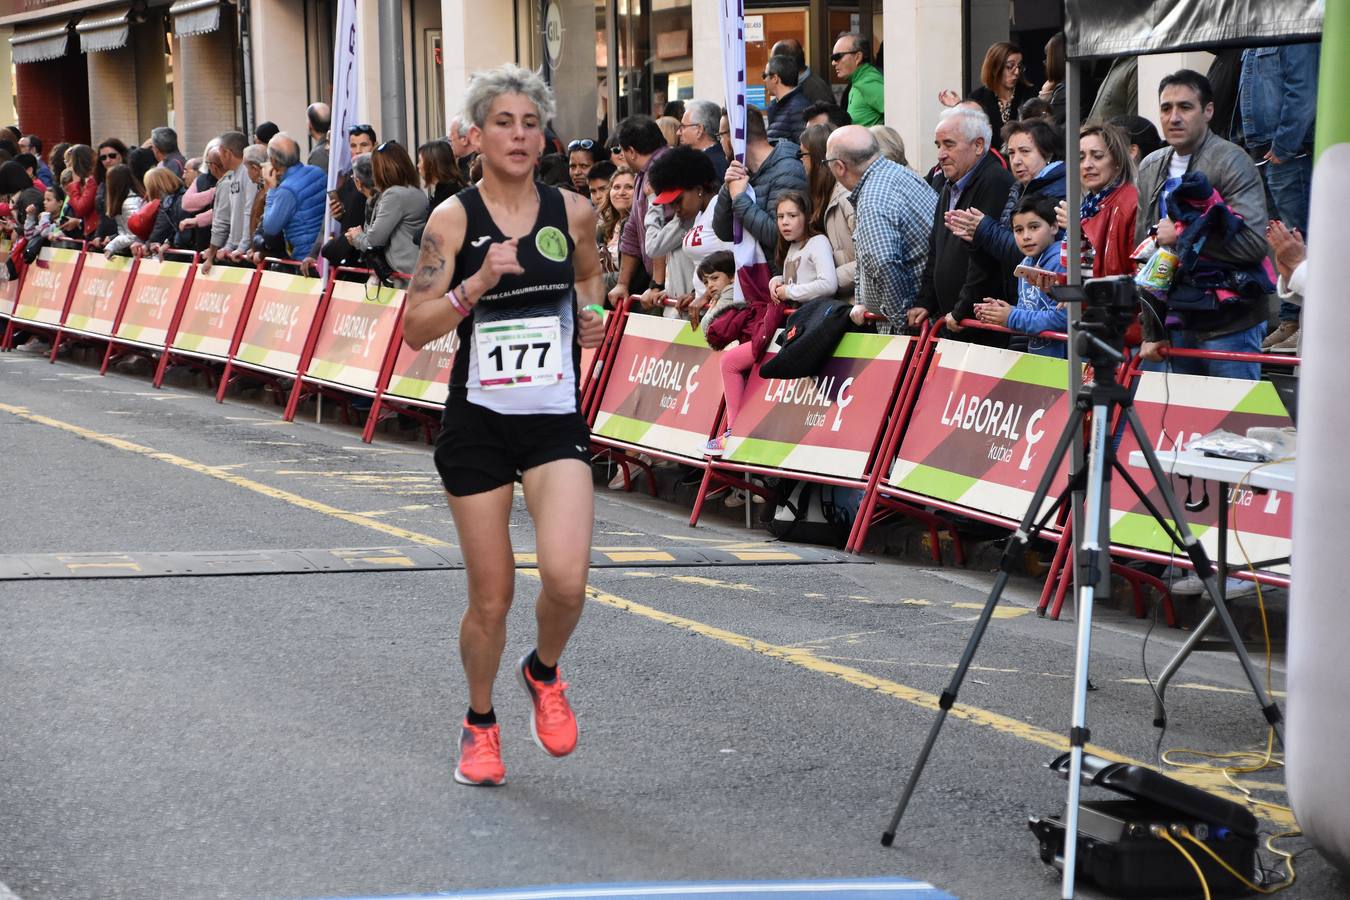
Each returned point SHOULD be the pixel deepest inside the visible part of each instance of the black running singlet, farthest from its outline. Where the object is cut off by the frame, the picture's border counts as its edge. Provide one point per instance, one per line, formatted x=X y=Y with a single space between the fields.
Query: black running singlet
x=518 y=350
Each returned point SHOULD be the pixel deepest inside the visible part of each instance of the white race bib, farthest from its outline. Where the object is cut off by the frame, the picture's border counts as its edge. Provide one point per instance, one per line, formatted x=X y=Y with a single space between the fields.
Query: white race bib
x=514 y=353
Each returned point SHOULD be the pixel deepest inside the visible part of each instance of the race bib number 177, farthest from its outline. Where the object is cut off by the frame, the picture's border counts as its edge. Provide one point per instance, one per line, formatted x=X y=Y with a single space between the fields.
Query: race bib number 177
x=515 y=353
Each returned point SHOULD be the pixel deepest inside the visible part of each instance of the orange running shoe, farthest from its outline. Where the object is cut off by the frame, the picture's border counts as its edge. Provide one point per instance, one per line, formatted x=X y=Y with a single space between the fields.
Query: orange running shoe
x=552 y=722
x=480 y=755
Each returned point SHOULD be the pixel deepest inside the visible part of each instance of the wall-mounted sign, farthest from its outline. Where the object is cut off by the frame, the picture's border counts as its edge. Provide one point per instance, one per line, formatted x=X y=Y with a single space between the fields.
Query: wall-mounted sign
x=754 y=29
x=553 y=33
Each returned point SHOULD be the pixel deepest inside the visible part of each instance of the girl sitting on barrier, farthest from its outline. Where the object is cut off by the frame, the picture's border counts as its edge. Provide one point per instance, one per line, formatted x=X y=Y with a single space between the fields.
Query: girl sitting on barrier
x=1033 y=225
x=804 y=253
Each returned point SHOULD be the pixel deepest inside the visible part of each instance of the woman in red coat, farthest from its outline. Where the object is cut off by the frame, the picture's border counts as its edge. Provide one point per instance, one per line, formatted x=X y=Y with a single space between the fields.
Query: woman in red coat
x=1110 y=199
x=82 y=192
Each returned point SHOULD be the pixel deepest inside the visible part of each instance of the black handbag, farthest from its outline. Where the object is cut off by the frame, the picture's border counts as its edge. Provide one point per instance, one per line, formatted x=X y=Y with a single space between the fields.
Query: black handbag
x=809 y=339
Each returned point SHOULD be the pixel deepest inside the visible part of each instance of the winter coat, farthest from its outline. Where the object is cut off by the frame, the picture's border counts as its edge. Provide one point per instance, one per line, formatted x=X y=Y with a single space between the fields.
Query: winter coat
x=401 y=212
x=995 y=237
x=142 y=221
x=1111 y=233
x=787 y=117
x=840 y=223
x=1035 y=312
x=83 y=196
x=171 y=212
x=295 y=209
x=781 y=171
x=866 y=96
x=125 y=237
x=957 y=275
x=723 y=323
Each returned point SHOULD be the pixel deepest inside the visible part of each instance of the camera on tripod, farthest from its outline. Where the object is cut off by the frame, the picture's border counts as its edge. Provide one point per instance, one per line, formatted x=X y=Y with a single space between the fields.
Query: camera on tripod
x=1109 y=306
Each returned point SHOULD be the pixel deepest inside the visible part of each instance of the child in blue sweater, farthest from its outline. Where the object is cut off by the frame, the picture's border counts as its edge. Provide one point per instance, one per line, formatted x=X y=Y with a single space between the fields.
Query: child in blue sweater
x=1034 y=228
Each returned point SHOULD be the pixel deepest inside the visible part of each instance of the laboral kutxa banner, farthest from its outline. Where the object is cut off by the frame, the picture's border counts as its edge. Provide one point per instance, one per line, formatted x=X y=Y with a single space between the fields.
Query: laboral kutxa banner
x=827 y=424
x=355 y=335
x=279 y=320
x=103 y=281
x=665 y=388
x=1175 y=410
x=45 y=285
x=211 y=314
x=154 y=297
x=983 y=428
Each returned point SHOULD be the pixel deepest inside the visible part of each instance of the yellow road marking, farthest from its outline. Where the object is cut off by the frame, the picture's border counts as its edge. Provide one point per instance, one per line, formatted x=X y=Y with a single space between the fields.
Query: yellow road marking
x=632 y=556
x=1000 y=612
x=1196 y=686
x=135 y=567
x=764 y=555
x=1212 y=781
x=228 y=477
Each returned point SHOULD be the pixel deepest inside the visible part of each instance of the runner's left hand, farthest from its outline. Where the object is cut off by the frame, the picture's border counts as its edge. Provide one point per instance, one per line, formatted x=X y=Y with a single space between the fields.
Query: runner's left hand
x=592 y=330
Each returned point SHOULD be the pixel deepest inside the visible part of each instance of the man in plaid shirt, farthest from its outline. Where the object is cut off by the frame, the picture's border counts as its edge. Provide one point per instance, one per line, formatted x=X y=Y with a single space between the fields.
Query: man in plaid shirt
x=894 y=209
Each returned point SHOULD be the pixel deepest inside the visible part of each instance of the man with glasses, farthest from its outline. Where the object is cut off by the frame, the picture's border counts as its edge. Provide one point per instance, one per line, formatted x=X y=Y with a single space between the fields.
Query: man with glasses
x=866 y=87
x=895 y=210
x=771 y=168
x=581 y=155
x=787 y=112
x=699 y=129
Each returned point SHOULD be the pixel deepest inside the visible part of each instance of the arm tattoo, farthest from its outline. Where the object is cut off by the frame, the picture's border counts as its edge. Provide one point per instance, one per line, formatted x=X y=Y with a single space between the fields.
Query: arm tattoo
x=430 y=264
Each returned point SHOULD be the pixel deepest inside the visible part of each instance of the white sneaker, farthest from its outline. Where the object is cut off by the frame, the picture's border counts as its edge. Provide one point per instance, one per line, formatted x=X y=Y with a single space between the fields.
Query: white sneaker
x=1192 y=585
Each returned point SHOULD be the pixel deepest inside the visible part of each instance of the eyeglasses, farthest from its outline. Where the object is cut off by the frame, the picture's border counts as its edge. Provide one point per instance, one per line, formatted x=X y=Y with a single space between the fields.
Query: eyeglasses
x=829 y=159
x=766 y=75
x=803 y=154
x=1011 y=66
x=385 y=146
x=585 y=144
x=835 y=57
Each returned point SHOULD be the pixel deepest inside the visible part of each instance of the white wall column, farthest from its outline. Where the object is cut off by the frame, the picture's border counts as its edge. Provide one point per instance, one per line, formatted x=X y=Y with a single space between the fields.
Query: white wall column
x=923 y=54
x=279 y=66
x=708 y=80
x=7 y=112
x=475 y=35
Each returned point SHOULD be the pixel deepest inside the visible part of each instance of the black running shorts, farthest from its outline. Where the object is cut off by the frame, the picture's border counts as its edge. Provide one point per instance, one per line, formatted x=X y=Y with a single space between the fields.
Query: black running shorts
x=479 y=450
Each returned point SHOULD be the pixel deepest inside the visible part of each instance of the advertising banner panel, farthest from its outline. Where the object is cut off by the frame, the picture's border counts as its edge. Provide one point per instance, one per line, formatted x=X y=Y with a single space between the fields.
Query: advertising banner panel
x=827 y=424
x=984 y=427
x=665 y=389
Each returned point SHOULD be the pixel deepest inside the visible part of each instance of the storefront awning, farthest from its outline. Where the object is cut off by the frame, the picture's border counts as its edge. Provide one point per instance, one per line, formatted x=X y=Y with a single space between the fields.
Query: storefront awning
x=30 y=45
x=195 y=17
x=1131 y=27
x=105 y=31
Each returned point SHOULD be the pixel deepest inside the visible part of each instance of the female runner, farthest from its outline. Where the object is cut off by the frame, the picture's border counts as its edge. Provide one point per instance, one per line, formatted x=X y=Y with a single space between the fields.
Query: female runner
x=509 y=264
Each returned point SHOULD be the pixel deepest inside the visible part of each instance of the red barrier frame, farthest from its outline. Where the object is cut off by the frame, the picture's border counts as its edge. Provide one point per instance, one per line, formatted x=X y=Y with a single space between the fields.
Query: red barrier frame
x=1061 y=575
x=305 y=385
x=119 y=347
x=623 y=453
x=72 y=334
x=199 y=361
x=7 y=342
x=273 y=377
x=716 y=475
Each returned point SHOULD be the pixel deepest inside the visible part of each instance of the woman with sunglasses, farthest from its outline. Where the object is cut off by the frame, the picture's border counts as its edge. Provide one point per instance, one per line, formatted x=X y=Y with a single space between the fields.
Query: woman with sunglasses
x=581 y=155
x=510 y=266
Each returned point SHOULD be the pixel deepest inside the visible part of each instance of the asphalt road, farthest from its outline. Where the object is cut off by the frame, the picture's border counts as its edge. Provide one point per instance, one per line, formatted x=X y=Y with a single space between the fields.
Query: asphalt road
x=292 y=736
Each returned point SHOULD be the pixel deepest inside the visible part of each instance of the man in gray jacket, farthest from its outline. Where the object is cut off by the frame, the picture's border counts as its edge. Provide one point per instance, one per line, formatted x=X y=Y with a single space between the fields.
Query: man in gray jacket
x=770 y=168
x=230 y=238
x=1186 y=105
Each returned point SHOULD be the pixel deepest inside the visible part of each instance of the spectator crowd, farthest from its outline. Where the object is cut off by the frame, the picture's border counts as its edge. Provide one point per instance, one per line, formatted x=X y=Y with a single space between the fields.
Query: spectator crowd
x=825 y=190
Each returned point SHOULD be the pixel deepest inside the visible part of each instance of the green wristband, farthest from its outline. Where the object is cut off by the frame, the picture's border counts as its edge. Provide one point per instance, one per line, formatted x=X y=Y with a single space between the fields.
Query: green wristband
x=596 y=308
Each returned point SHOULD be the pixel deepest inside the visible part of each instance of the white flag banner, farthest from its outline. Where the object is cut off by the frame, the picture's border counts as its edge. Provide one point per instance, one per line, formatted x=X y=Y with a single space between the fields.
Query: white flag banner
x=752 y=267
x=346 y=97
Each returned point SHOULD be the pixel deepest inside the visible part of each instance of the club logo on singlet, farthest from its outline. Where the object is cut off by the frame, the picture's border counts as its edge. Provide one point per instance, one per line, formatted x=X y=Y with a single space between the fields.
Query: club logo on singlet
x=551 y=244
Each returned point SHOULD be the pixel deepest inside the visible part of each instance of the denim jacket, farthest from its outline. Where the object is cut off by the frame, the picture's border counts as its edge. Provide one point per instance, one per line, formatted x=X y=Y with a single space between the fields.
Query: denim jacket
x=1278 y=97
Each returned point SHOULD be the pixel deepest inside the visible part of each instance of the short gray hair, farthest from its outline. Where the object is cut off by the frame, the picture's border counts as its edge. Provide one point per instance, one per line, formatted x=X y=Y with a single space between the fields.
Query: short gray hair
x=489 y=84
x=283 y=151
x=972 y=123
x=363 y=170
x=460 y=126
x=860 y=44
x=165 y=139
x=255 y=154
x=706 y=114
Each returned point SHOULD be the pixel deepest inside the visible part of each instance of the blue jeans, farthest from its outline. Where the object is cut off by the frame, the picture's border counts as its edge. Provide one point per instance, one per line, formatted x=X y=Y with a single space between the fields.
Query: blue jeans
x=1288 y=189
x=1248 y=341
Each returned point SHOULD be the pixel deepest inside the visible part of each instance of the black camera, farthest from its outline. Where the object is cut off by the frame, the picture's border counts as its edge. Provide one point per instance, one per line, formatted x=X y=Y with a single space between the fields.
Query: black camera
x=1109 y=306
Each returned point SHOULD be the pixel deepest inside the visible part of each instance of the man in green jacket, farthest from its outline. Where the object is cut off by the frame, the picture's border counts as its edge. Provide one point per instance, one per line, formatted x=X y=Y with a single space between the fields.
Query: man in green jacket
x=866 y=87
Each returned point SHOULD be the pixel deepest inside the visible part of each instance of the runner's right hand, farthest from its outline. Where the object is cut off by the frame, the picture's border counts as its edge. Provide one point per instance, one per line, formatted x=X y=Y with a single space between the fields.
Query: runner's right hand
x=500 y=260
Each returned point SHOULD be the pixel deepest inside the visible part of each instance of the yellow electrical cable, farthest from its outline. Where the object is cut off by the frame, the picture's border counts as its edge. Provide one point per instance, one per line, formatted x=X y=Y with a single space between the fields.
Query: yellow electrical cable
x=1288 y=861
x=1161 y=834
x=1267 y=760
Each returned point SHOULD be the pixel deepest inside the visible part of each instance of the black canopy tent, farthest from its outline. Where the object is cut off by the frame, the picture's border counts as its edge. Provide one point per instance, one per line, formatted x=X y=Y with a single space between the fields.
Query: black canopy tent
x=1095 y=30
